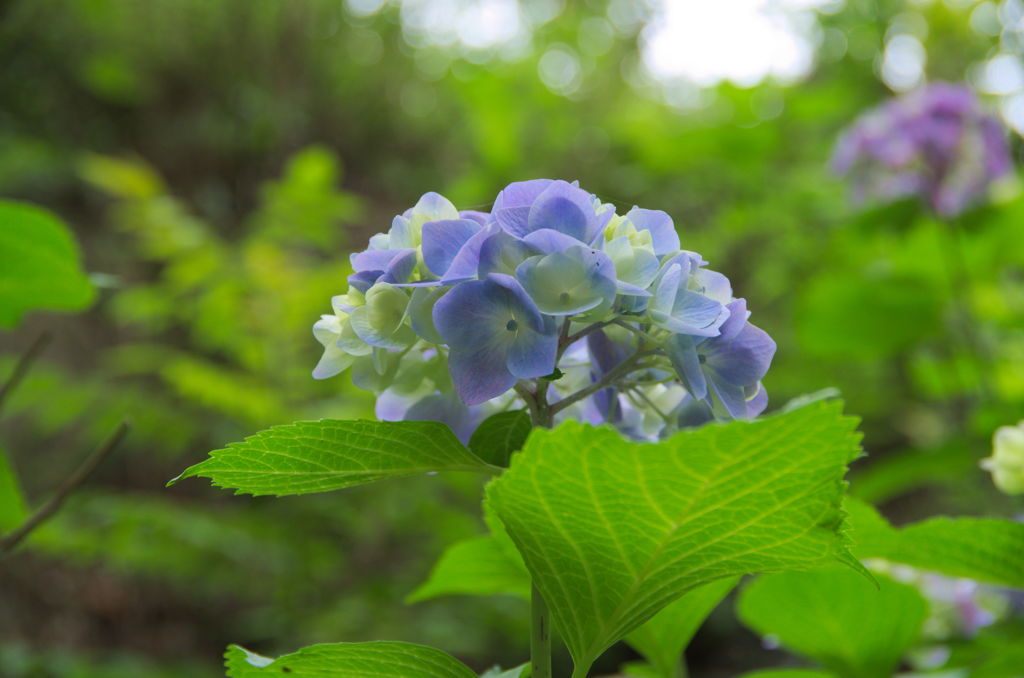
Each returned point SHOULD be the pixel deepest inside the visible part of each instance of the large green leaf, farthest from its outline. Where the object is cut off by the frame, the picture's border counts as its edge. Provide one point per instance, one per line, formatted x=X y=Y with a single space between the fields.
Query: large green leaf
x=39 y=267
x=837 y=617
x=382 y=659
x=12 y=505
x=476 y=567
x=500 y=435
x=662 y=639
x=317 y=456
x=483 y=566
x=985 y=549
x=613 y=531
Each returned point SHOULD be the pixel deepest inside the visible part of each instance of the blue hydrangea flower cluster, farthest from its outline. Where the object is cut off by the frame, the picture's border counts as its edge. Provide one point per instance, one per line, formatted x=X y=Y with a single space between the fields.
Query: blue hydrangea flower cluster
x=937 y=143
x=551 y=301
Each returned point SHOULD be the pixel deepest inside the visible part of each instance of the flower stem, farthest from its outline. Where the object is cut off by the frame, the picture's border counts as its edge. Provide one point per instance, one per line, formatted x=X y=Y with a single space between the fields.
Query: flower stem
x=540 y=635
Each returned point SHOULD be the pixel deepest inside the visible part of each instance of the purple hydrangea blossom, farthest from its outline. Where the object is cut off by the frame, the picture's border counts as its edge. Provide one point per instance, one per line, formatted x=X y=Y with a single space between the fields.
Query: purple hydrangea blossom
x=600 y=316
x=937 y=143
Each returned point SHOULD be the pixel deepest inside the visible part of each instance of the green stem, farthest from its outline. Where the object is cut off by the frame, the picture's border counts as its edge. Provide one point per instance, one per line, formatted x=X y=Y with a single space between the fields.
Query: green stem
x=540 y=635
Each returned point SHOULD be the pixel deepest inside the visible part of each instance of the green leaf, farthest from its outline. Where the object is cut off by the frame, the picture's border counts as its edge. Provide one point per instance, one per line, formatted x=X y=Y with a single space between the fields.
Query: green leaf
x=317 y=456
x=476 y=567
x=662 y=639
x=39 y=267
x=12 y=505
x=499 y=436
x=382 y=659
x=837 y=618
x=613 y=531
x=985 y=549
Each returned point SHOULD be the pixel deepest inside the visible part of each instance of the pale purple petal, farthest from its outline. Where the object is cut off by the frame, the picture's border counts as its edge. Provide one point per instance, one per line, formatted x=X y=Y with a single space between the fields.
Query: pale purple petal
x=532 y=354
x=682 y=351
x=442 y=240
x=547 y=240
x=466 y=263
x=480 y=374
x=744 y=359
x=659 y=224
x=481 y=218
x=502 y=253
x=565 y=208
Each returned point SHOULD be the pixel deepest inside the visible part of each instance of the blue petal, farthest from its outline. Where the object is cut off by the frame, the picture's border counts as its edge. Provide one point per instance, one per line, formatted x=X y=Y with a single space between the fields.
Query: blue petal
x=682 y=351
x=471 y=313
x=373 y=260
x=605 y=354
x=520 y=194
x=362 y=281
x=565 y=283
x=467 y=262
x=502 y=253
x=663 y=232
x=547 y=240
x=730 y=397
x=523 y=304
x=401 y=267
x=512 y=206
x=482 y=218
x=744 y=360
x=565 y=208
x=532 y=354
x=480 y=373
x=442 y=240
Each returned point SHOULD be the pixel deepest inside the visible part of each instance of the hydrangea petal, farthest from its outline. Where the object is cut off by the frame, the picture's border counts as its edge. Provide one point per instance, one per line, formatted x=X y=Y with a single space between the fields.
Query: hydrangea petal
x=442 y=241
x=480 y=374
x=663 y=231
x=532 y=354
x=565 y=208
x=570 y=282
x=421 y=313
x=744 y=359
x=466 y=264
x=682 y=352
x=502 y=253
x=548 y=240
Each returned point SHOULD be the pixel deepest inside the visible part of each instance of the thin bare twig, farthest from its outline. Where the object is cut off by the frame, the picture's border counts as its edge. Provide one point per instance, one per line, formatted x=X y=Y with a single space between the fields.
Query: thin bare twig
x=11 y=540
x=24 y=365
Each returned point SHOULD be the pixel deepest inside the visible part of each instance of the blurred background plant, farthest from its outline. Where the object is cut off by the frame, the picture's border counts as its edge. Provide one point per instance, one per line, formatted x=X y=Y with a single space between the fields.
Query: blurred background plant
x=217 y=161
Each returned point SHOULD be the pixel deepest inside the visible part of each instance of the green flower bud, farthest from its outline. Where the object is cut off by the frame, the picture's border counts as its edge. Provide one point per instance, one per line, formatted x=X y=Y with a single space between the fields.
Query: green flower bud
x=1007 y=461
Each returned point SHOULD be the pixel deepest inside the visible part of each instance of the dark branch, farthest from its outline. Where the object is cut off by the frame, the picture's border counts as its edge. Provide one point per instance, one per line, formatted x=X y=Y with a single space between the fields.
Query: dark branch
x=11 y=540
x=24 y=365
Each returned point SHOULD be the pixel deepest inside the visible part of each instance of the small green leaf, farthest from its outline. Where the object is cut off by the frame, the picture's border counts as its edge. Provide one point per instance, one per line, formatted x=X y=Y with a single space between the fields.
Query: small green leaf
x=317 y=456
x=476 y=567
x=382 y=659
x=662 y=639
x=837 y=618
x=12 y=505
x=613 y=531
x=985 y=549
x=499 y=436
x=39 y=264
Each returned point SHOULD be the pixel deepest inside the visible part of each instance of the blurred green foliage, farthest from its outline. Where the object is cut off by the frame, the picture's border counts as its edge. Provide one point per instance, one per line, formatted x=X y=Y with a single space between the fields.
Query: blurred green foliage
x=218 y=161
